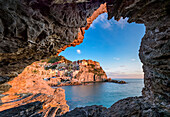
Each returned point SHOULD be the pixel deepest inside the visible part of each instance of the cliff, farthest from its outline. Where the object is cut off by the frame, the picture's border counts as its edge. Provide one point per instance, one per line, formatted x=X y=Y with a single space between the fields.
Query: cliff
x=79 y=71
x=91 y=73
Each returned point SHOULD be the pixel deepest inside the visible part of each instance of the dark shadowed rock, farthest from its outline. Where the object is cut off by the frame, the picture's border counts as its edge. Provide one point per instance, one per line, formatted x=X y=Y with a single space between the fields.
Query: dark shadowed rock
x=88 y=111
x=31 y=30
x=4 y=79
x=4 y=87
x=22 y=111
x=132 y=107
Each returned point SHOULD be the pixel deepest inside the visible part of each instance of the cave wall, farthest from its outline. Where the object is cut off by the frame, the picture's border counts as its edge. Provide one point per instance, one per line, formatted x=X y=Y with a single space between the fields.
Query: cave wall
x=154 y=50
x=102 y=9
x=154 y=54
x=31 y=30
x=155 y=46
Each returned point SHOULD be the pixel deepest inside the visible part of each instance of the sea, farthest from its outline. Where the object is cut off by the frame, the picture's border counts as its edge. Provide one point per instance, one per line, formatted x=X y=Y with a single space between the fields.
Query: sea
x=105 y=93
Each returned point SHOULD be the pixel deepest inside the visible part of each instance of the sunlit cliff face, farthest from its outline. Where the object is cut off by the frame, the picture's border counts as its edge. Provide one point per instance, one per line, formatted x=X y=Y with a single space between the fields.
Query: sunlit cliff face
x=30 y=87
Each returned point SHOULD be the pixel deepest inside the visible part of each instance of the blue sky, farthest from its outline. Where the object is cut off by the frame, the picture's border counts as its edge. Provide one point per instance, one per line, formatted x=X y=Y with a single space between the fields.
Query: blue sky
x=114 y=44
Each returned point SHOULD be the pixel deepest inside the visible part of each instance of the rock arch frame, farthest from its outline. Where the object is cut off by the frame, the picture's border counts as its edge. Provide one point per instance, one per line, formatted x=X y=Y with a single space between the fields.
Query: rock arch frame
x=33 y=30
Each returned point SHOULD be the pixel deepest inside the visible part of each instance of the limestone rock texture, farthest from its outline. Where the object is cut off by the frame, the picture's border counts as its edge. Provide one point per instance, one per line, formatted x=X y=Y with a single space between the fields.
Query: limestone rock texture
x=31 y=30
x=29 y=89
x=88 y=111
x=79 y=39
x=23 y=110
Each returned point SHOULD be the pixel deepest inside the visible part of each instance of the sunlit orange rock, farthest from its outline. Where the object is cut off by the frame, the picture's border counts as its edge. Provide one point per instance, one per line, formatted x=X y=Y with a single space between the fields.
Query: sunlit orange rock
x=31 y=82
x=102 y=9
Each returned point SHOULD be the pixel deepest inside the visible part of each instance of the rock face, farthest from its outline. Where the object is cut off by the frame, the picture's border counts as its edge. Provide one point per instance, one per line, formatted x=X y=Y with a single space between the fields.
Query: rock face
x=79 y=40
x=91 y=73
x=132 y=107
x=32 y=30
x=88 y=111
x=154 y=54
x=129 y=107
x=30 y=88
x=24 y=110
x=79 y=71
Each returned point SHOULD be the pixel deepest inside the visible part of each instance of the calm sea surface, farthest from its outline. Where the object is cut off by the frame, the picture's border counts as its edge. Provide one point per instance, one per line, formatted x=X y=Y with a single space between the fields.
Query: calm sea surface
x=102 y=93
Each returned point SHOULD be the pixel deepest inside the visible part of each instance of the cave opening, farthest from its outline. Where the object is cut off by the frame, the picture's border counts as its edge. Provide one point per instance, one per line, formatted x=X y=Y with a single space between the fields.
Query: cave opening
x=115 y=45
x=99 y=48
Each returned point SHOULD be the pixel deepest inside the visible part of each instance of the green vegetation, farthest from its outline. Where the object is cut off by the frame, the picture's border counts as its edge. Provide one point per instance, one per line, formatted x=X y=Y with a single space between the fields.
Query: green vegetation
x=90 y=70
x=101 y=74
x=97 y=71
x=46 y=68
x=45 y=60
x=52 y=67
x=34 y=71
x=93 y=66
x=54 y=59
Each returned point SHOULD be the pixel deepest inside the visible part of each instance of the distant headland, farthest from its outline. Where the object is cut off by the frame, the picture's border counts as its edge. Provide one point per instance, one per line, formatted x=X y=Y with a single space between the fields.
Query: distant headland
x=59 y=71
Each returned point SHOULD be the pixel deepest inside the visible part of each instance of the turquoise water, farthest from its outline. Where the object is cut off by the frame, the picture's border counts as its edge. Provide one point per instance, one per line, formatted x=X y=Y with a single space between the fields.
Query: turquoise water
x=102 y=93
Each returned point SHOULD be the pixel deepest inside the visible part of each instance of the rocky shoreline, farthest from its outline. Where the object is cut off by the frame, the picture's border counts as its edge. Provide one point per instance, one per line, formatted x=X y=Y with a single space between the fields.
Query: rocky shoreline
x=85 y=83
x=33 y=88
x=115 y=81
x=66 y=84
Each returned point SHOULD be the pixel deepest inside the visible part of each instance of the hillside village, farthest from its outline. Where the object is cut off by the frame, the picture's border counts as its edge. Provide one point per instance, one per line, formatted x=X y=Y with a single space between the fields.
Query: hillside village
x=65 y=68
x=58 y=69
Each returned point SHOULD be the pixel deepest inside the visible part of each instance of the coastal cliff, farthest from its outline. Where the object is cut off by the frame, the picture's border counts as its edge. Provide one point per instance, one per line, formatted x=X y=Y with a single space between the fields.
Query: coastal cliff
x=79 y=71
x=92 y=72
